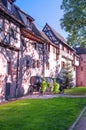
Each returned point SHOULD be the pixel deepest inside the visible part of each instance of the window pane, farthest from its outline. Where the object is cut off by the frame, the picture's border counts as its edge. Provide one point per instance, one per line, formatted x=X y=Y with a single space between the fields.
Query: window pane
x=1 y=23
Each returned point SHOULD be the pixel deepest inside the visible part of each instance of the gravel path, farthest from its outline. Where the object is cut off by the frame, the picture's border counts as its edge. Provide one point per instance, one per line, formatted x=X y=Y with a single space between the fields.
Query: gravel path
x=52 y=96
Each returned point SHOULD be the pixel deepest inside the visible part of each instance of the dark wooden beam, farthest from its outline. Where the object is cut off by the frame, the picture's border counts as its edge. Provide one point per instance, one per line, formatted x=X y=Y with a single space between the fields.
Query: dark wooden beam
x=32 y=36
x=9 y=46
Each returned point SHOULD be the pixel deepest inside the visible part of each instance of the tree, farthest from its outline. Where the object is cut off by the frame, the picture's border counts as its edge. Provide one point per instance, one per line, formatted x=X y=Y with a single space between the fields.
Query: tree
x=74 y=21
x=66 y=76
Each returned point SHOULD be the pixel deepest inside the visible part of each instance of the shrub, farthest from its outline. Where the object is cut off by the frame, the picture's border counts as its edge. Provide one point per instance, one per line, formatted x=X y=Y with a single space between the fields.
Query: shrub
x=44 y=85
x=56 y=87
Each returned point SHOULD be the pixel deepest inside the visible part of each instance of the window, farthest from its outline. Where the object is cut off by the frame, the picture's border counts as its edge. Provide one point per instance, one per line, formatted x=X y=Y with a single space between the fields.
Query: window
x=67 y=50
x=47 y=66
x=6 y=26
x=23 y=42
x=54 y=50
x=38 y=64
x=74 y=68
x=34 y=64
x=40 y=45
x=34 y=45
x=29 y=23
x=6 y=38
x=81 y=83
x=1 y=23
x=81 y=68
x=57 y=56
x=48 y=47
x=71 y=53
x=9 y=6
x=9 y=68
x=62 y=47
x=57 y=50
x=81 y=59
x=63 y=64
x=12 y=32
x=77 y=58
x=27 y=64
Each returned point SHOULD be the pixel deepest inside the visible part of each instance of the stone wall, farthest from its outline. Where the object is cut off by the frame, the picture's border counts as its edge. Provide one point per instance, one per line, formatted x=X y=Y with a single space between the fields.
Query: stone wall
x=7 y=56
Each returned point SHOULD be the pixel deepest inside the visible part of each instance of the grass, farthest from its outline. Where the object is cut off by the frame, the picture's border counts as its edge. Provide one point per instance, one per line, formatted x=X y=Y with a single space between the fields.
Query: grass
x=40 y=114
x=76 y=91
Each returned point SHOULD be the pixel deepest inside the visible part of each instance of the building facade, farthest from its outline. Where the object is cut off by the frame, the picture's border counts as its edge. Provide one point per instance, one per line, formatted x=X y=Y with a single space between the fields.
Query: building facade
x=64 y=52
x=81 y=69
x=25 y=51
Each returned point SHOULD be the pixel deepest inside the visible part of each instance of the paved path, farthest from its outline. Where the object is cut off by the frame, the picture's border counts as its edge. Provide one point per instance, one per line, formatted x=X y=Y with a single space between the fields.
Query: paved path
x=52 y=96
x=80 y=123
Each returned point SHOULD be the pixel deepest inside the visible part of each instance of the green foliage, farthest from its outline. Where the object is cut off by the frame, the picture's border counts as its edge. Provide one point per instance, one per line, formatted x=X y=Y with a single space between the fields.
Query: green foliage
x=40 y=114
x=56 y=87
x=76 y=91
x=44 y=85
x=74 y=21
x=67 y=75
x=50 y=87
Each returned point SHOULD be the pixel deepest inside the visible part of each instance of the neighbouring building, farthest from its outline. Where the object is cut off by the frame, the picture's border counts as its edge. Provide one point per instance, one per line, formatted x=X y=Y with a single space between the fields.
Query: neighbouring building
x=81 y=69
x=63 y=53
x=25 y=51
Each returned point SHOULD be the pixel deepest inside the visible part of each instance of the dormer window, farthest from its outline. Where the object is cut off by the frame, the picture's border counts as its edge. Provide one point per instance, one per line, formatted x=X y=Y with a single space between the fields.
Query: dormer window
x=29 y=23
x=9 y=6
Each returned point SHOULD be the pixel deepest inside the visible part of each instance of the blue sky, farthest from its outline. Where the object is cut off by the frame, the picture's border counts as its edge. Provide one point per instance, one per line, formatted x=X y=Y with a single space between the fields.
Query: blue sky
x=44 y=11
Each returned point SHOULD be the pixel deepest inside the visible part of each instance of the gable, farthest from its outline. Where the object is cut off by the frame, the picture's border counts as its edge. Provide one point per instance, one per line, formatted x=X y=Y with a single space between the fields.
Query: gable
x=49 y=33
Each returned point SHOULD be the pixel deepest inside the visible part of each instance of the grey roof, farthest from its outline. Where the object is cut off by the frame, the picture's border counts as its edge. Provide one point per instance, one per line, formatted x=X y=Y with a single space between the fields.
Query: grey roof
x=59 y=36
x=36 y=30
x=41 y=34
x=20 y=16
x=80 y=50
x=47 y=39
x=15 y=11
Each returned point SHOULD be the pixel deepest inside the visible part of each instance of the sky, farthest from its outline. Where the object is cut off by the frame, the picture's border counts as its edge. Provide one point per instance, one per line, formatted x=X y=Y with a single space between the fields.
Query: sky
x=44 y=11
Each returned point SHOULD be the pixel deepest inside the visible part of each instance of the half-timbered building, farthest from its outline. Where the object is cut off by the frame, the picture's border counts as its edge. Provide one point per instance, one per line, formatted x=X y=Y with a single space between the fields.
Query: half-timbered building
x=21 y=49
x=62 y=53
x=25 y=51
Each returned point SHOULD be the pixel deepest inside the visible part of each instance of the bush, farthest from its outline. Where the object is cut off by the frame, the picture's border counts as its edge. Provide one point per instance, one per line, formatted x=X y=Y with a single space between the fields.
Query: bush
x=51 y=87
x=56 y=87
x=44 y=85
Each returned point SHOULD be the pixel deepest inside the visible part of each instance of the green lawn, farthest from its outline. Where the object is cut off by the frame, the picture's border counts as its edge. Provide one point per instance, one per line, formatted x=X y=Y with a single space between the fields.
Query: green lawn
x=76 y=91
x=40 y=114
